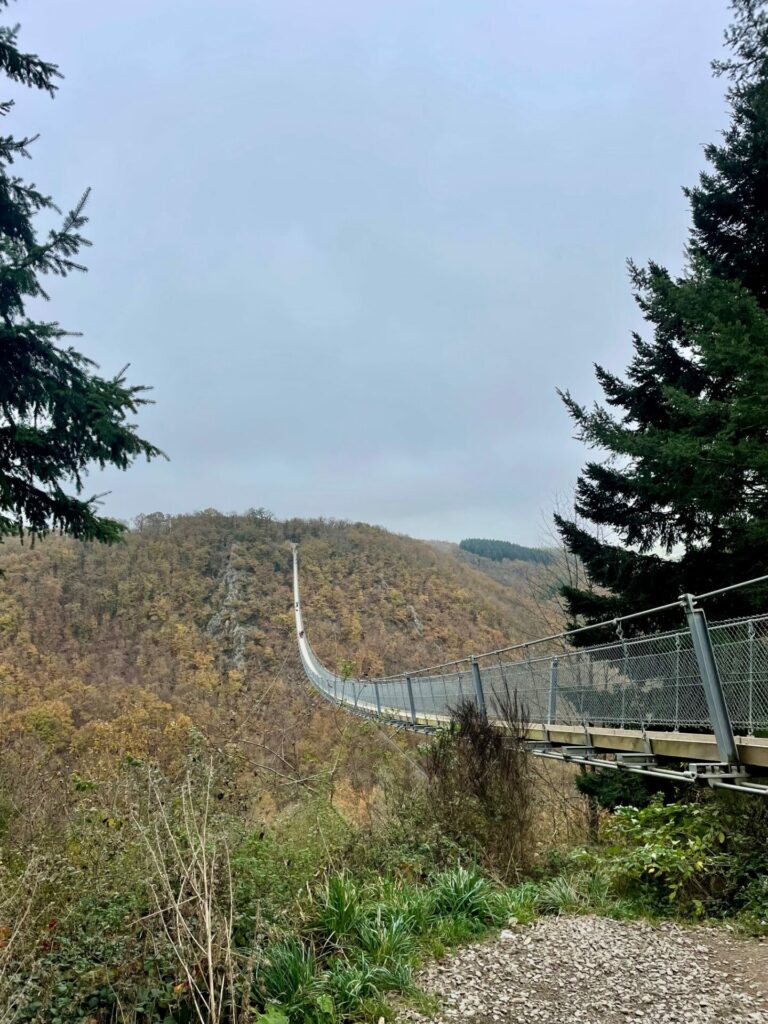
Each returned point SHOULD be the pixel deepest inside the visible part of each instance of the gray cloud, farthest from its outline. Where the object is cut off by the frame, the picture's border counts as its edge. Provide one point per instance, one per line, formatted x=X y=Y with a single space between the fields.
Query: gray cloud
x=355 y=247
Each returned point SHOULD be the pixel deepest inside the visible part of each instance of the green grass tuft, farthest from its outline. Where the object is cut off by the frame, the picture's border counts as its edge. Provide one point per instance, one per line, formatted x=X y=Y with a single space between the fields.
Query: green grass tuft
x=461 y=892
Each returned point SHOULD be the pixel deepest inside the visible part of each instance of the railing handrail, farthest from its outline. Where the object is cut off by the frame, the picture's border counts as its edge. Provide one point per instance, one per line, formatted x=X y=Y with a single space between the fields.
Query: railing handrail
x=733 y=586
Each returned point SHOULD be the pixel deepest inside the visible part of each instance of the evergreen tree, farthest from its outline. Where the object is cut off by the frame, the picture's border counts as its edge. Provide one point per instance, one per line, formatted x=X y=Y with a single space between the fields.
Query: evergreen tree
x=57 y=416
x=681 y=501
x=498 y=550
x=730 y=203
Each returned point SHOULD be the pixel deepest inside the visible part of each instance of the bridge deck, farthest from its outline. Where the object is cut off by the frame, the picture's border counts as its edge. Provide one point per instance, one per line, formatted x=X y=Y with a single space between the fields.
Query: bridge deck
x=683 y=746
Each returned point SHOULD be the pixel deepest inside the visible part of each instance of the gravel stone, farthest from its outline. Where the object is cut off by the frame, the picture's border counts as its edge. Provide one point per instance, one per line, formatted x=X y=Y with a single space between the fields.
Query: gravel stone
x=592 y=970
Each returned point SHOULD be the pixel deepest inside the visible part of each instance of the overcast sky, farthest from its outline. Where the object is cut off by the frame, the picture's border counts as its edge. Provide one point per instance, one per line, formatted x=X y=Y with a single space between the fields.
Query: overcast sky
x=355 y=245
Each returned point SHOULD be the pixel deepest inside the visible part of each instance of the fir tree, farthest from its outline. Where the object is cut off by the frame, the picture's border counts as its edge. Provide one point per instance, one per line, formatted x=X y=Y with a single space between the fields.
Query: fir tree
x=498 y=550
x=680 y=503
x=730 y=203
x=57 y=416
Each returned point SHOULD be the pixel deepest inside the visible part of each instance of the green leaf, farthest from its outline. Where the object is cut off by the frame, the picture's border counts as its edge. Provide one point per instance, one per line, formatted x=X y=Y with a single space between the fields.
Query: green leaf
x=272 y=1015
x=325 y=1005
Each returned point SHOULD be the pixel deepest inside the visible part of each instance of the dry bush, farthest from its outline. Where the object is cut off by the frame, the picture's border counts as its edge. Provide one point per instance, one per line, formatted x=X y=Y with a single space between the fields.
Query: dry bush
x=561 y=813
x=192 y=890
x=481 y=785
x=17 y=916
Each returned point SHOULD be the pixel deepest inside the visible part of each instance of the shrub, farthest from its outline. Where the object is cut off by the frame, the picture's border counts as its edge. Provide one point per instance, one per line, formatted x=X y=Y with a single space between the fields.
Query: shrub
x=273 y=864
x=695 y=858
x=754 y=905
x=610 y=788
x=480 y=787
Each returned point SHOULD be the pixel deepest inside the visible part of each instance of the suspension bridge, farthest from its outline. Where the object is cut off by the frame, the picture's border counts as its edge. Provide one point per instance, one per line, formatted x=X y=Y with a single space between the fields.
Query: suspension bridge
x=696 y=696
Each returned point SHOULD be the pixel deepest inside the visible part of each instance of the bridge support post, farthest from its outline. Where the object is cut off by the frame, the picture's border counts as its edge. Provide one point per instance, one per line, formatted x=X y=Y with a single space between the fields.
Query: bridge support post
x=412 y=706
x=710 y=677
x=479 y=694
x=378 y=698
x=552 y=708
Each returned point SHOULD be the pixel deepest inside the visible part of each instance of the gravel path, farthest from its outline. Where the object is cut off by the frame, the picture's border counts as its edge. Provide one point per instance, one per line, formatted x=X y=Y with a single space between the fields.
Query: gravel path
x=596 y=971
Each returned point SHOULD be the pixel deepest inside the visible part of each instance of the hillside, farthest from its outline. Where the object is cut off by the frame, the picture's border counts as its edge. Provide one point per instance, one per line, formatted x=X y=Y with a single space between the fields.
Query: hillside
x=187 y=629
x=533 y=584
x=174 y=800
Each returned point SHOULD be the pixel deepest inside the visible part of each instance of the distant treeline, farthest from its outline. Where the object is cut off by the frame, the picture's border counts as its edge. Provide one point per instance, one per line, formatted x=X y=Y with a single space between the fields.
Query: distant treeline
x=498 y=550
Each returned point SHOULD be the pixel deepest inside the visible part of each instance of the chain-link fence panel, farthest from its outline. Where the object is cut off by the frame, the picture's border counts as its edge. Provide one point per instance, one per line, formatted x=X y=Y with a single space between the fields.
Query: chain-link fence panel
x=650 y=682
x=741 y=652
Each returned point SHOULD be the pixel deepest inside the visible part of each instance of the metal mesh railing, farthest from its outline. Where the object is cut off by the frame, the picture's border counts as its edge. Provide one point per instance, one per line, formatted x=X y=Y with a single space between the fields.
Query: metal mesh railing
x=741 y=652
x=650 y=682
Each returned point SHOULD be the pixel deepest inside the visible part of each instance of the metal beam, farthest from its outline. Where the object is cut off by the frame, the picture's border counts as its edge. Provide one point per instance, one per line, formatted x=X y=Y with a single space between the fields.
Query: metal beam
x=479 y=694
x=710 y=678
x=409 y=687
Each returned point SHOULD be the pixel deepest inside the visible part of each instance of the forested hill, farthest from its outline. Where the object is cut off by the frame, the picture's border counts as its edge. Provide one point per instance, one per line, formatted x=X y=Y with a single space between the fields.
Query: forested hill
x=540 y=579
x=187 y=626
x=503 y=550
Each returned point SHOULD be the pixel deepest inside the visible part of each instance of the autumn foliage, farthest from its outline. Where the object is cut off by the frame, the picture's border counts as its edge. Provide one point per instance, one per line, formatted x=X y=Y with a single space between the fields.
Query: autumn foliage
x=186 y=629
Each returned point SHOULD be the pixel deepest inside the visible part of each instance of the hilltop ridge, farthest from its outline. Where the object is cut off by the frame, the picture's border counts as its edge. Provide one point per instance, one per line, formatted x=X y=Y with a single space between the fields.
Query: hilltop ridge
x=187 y=626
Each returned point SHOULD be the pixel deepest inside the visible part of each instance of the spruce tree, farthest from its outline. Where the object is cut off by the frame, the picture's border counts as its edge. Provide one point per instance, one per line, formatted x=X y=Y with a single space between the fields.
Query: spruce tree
x=57 y=415
x=679 y=502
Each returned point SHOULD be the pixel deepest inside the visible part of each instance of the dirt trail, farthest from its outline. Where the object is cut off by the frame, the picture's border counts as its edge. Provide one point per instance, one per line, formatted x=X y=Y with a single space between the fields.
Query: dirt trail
x=594 y=970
